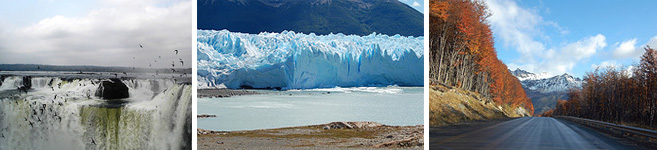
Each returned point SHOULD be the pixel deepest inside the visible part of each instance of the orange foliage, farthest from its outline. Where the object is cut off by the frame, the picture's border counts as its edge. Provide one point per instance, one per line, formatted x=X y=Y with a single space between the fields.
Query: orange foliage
x=613 y=95
x=459 y=32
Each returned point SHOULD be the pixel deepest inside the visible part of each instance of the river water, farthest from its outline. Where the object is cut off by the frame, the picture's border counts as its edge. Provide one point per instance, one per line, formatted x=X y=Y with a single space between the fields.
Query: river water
x=60 y=111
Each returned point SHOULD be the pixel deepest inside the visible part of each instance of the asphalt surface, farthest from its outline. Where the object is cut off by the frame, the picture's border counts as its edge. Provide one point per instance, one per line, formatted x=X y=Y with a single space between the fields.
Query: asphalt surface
x=524 y=133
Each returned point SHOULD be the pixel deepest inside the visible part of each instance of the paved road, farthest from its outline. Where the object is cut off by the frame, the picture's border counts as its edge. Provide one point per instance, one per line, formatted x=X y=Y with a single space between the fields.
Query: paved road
x=525 y=133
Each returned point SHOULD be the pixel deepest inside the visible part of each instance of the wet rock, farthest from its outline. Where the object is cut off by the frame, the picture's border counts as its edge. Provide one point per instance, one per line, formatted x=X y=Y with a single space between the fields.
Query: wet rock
x=205 y=116
x=27 y=82
x=407 y=142
x=206 y=132
x=352 y=125
x=26 y=85
x=112 y=89
x=2 y=79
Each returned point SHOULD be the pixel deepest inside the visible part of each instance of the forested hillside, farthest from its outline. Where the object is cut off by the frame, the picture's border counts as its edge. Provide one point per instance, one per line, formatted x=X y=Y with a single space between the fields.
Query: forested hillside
x=614 y=95
x=462 y=53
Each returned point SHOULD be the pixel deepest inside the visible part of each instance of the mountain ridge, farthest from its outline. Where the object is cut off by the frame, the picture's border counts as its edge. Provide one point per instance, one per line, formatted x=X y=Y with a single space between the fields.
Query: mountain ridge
x=359 y=17
x=545 y=90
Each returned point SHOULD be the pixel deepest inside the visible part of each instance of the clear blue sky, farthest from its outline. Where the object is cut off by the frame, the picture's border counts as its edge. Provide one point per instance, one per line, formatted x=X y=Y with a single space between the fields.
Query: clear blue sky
x=574 y=37
x=417 y=4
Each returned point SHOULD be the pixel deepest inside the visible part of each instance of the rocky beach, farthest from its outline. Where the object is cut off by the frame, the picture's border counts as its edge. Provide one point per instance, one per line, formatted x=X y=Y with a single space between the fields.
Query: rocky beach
x=334 y=135
x=223 y=92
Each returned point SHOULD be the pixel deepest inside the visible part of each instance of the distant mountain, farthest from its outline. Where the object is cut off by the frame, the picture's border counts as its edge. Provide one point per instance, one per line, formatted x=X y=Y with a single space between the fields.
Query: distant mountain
x=525 y=75
x=360 y=17
x=545 y=84
x=545 y=90
x=38 y=67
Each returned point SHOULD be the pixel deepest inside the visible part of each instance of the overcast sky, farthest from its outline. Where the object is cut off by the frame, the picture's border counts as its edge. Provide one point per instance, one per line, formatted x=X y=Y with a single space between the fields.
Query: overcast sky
x=103 y=32
x=572 y=37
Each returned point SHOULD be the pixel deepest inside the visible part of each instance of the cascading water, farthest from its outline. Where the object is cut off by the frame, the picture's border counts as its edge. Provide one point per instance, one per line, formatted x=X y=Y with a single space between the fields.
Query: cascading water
x=62 y=113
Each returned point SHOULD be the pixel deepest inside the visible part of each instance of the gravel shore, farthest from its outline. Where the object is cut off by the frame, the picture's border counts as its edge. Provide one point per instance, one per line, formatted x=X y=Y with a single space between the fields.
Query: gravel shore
x=335 y=135
x=223 y=92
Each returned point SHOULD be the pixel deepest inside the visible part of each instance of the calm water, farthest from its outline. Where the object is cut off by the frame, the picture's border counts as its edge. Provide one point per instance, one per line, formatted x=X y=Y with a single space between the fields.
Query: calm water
x=387 y=105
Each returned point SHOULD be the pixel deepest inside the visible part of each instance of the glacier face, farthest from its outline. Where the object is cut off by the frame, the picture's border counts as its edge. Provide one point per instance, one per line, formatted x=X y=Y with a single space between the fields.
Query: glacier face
x=290 y=60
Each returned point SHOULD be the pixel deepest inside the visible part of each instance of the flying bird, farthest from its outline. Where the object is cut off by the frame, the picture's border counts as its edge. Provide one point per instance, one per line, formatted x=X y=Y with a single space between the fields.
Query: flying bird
x=141 y=46
x=176 y=51
x=181 y=62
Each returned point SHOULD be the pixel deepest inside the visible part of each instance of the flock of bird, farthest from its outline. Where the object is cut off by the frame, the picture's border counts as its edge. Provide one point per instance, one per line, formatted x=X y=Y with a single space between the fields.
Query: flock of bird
x=173 y=63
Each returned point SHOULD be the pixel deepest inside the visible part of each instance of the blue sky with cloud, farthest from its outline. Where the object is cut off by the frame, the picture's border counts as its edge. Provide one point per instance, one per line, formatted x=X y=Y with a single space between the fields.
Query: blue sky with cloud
x=417 y=4
x=571 y=37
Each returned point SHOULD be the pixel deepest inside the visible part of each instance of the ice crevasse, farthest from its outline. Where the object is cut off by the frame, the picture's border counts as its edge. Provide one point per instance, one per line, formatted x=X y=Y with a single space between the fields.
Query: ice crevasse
x=290 y=60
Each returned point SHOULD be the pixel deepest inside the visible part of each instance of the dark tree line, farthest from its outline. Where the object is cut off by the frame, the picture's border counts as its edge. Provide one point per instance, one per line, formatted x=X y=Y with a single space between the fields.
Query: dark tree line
x=614 y=95
x=462 y=53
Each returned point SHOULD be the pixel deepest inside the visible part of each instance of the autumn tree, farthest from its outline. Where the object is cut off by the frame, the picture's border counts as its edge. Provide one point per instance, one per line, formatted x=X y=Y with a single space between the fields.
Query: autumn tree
x=614 y=95
x=462 y=54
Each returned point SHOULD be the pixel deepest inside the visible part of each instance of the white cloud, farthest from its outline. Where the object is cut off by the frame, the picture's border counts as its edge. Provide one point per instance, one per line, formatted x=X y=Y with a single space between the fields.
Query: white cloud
x=627 y=49
x=108 y=36
x=630 y=50
x=612 y=64
x=652 y=43
x=522 y=29
x=516 y=27
x=584 y=48
x=567 y=57
x=416 y=4
x=606 y=64
x=563 y=60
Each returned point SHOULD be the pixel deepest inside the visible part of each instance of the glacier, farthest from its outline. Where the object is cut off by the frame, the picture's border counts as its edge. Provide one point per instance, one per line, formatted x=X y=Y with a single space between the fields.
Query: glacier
x=290 y=60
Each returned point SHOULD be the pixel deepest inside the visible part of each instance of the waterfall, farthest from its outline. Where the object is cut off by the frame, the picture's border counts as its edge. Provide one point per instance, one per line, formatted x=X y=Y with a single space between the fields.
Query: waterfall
x=61 y=113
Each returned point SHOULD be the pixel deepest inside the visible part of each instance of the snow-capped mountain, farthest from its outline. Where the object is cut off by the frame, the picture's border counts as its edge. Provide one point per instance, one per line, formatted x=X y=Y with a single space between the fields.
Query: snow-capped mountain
x=290 y=60
x=545 y=90
x=545 y=84
x=525 y=75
